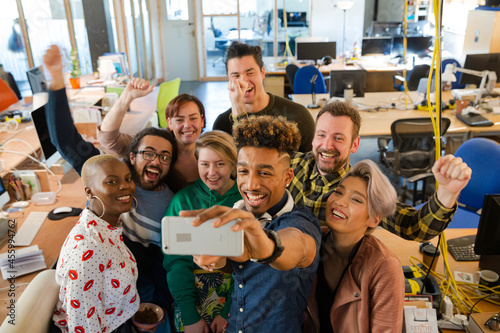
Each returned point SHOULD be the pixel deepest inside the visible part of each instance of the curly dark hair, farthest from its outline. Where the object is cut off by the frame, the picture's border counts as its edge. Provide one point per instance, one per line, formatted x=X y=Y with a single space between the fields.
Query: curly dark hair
x=268 y=132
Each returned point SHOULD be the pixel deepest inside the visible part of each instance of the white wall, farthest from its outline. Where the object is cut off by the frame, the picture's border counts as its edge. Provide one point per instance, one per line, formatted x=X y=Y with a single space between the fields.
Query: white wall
x=328 y=20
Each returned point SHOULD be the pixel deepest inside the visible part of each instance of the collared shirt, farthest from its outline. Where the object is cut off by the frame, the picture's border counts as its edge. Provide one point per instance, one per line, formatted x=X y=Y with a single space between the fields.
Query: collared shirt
x=97 y=274
x=268 y=300
x=311 y=189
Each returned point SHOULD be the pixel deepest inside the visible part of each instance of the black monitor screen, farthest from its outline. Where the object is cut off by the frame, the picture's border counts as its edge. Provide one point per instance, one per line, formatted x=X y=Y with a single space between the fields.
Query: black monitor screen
x=418 y=45
x=376 y=45
x=37 y=80
x=38 y=117
x=488 y=231
x=315 y=51
x=347 y=79
x=480 y=62
x=293 y=19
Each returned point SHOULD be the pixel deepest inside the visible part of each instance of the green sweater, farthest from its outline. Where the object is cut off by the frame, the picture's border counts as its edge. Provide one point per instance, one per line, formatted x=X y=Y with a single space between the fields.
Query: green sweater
x=180 y=269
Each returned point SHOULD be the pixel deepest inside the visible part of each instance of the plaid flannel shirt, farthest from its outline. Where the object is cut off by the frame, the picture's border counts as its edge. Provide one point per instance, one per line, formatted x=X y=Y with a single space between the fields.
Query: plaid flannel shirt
x=311 y=189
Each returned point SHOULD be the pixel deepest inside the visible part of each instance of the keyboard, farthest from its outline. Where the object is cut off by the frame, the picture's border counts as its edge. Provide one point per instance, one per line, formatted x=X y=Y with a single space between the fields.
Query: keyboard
x=462 y=248
x=25 y=235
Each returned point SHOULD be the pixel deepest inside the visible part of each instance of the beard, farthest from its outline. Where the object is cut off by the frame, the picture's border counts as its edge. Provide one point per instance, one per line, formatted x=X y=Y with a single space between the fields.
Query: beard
x=330 y=167
x=140 y=181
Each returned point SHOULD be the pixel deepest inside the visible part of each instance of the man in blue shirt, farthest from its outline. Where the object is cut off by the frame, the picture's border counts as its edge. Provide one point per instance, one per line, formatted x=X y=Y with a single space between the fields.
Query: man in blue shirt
x=273 y=277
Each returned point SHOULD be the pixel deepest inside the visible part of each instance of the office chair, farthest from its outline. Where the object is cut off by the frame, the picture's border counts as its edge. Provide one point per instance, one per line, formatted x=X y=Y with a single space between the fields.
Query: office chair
x=458 y=75
x=291 y=70
x=36 y=305
x=221 y=45
x=168 y=90
x=414 y=152
x=9 y=79
x=7 y=96
x=302 y=81
x=412 y=78
x=482 y=156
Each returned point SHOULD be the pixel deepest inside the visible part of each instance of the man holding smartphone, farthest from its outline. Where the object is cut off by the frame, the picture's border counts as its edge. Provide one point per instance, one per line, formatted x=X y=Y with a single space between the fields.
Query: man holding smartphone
x=273 y=277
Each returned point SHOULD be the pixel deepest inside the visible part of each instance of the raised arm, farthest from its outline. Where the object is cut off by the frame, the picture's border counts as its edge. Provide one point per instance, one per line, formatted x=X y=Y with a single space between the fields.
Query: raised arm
x=136 y=88
x=435 y=215
x=63 y=133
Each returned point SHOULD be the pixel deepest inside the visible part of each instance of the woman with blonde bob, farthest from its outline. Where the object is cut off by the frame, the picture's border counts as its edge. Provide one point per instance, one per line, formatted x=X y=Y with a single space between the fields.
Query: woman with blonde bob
x=201 y=297
x=359 y=286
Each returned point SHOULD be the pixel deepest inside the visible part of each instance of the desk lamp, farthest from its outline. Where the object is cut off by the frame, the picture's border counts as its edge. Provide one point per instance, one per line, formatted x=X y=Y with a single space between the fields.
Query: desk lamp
x=344 y=5
x=327 y=60
x=449 y=76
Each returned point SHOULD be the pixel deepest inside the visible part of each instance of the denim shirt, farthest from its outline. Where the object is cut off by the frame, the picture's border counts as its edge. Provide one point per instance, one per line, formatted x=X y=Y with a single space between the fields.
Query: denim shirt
x=269 y=300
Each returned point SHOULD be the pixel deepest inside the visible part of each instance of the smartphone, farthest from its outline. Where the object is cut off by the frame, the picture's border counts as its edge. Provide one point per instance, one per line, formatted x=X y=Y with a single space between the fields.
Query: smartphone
x=182 y=238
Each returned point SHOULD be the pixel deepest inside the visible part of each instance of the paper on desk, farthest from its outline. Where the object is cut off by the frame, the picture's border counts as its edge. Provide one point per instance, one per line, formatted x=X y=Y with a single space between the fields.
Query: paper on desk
x=22 y=261
x=86 y=115
x=463 y=277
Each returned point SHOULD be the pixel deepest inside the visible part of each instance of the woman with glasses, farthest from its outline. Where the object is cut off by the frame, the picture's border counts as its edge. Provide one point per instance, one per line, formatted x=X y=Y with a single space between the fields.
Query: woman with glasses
x=202 y=297
x=359 y=286
x=185 y=115
x=96 y=271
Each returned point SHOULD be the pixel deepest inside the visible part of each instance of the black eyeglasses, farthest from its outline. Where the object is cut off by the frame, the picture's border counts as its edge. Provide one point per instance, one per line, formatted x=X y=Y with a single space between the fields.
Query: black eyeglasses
x=493 y=323
x=151 y=156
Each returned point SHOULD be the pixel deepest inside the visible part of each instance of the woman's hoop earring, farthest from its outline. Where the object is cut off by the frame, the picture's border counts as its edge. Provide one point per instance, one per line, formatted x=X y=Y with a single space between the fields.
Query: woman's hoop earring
x=132 y=209
x=102 y=203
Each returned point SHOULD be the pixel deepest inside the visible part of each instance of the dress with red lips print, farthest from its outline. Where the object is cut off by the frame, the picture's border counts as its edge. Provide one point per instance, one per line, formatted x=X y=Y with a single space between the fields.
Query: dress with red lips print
x=97 y=274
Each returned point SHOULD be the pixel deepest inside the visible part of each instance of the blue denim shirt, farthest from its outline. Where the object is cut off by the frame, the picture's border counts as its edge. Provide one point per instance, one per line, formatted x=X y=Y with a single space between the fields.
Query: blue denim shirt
x=268 y=300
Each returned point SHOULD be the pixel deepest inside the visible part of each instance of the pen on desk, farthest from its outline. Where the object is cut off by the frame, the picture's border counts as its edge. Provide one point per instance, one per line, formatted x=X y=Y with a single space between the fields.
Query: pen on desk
x=17 y=192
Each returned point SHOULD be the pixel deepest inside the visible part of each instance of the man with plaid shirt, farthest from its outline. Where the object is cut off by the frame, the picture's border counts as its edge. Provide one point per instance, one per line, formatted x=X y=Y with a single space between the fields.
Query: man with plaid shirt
x=318 y=172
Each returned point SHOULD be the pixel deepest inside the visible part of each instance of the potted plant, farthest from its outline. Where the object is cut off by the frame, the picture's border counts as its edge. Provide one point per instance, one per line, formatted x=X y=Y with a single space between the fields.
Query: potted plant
x=75 y=70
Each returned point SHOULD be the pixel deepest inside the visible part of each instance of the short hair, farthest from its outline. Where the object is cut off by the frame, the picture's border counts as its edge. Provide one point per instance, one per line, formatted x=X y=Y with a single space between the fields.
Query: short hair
x=381 y=194
x=159 y=132
x=221 y=143
x=239 y=50
x=268 y=132
x=88 y=168
x=338 y=109
x=179 y=101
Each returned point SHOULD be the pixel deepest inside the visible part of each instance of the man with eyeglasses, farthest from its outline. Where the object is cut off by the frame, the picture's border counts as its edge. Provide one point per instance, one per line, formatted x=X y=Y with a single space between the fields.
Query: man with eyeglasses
x=149 y=157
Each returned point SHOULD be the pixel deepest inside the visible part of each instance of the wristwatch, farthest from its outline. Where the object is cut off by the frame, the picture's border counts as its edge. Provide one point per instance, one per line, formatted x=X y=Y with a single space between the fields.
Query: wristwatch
x=278 y=248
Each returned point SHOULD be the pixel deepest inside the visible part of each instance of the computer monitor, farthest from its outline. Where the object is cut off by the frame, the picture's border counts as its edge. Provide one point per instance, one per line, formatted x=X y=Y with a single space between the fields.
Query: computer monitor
x=376 y=45
x=293 y=19
x=315 y=51
x=384 y=29
x=347 y=79
x=488 y=231
x=418 y=45
x=37 y=80
x=480 y=62
x=49 y=151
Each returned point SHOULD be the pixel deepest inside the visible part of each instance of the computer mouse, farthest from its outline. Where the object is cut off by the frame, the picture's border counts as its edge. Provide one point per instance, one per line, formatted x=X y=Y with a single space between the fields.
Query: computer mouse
x=60 y=213
x=60 y=210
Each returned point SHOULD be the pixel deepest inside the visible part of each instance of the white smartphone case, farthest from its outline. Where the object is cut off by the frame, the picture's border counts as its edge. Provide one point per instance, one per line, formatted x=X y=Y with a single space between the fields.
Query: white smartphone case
x=181 y=238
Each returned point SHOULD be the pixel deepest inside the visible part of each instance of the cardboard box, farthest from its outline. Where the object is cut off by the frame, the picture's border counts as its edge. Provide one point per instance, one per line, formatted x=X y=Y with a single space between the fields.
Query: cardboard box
x=477 y=320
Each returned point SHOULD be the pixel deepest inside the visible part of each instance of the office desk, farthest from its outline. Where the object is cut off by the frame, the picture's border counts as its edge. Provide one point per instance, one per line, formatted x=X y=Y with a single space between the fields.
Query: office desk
x=379 y=74
x=52 y=234
x=403 y=249
x=375 y=124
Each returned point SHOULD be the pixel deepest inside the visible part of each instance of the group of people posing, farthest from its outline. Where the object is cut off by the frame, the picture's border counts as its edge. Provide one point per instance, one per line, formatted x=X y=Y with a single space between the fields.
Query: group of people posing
x=309 y=261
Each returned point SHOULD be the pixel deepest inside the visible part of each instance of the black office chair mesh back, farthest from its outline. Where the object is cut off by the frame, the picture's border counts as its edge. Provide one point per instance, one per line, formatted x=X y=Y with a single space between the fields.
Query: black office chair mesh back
x=414 y=146
x=418 y=72
x=291 y=69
